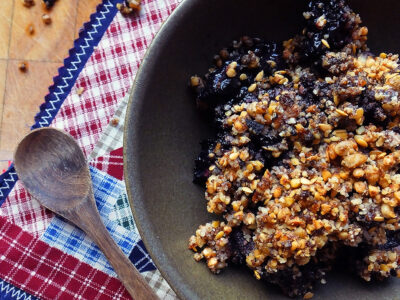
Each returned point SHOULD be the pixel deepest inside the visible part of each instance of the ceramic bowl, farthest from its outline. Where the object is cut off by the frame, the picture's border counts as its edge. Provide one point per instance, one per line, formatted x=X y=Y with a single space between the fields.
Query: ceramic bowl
x=163 y=131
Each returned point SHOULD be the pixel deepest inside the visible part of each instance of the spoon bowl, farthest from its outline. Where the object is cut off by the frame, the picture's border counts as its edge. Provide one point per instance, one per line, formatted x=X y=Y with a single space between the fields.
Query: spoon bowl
x=53 y=169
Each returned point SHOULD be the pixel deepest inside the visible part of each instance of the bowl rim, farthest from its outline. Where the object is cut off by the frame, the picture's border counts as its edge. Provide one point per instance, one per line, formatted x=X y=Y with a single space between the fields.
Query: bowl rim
x=181 y=7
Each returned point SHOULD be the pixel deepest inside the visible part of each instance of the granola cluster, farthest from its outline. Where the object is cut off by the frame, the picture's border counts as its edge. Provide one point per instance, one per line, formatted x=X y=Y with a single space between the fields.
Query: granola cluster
x=306 y=161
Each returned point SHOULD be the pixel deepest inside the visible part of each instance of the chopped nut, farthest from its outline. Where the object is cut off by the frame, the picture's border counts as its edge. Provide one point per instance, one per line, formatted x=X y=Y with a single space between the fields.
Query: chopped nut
x=230 y=72
x=198 y=256
x=289 y=201
x=360 y=141
x=258 y=165
x=392 y=256
x=208 y=252
x=373 y=190
x=342 y=113
x=295 y=161
x=247 y=190
x=308 y=295
x=234 y=155
x=372 y=175
x=212 y=262
x=219 y=235
x=277 y=192
x=354 y=160
x=360 y=187
x=326 y=175
x=215 y=224
x=358 y=173
x=195 y=81
x=380 y=141
x=321 y=22
x=336 y=99
x=387 y=211
x=359 y=117
x=295 y=183
x=114 y=122
x=249 y=219
x=326 y=128
x=252 y=87
x=344 y=148
x=259 y=76
x=341 y=133
x=325 y=43
x=305 y=181
x=397 y=195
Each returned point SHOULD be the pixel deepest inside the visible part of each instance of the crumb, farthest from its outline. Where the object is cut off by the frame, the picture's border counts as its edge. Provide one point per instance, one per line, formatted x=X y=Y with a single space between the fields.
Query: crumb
x=114 y=122
x=30 y=29
x=46 y=19
x=308 y=295
x=129 y=6
x=80 y=91
x=28 y=3
x=23 y=66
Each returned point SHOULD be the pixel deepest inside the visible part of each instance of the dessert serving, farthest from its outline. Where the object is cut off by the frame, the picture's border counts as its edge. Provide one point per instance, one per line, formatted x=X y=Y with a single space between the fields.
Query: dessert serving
x=304 y=170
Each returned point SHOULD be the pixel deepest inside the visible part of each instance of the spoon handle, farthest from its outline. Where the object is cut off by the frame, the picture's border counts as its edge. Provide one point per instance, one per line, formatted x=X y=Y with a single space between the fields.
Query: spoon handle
x=86 y=217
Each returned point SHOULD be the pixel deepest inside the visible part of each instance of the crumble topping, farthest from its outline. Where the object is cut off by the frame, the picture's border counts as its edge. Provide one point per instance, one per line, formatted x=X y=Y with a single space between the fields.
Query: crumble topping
x=305 y=164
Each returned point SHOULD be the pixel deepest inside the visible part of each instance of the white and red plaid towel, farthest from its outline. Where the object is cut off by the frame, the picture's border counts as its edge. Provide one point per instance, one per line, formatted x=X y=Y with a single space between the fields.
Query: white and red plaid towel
x=42 y=256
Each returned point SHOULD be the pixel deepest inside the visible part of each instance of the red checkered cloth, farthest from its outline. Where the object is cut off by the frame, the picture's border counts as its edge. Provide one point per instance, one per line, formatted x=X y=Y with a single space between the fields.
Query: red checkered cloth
x=106 y=78
x=47 y=272
x=111 y=163
x=29 y=263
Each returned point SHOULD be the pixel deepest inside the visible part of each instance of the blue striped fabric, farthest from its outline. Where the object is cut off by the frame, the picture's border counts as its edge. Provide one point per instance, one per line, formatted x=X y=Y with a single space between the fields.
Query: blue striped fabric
x=70 y=239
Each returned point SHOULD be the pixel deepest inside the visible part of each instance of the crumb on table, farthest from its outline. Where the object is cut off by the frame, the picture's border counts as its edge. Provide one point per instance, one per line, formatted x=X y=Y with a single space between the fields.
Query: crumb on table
x=46 y=19
x=23 y=66
x=28 y=3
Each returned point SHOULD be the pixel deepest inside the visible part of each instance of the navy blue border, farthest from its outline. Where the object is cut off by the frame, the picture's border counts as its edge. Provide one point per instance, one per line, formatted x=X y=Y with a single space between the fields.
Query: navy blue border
x=10 y=292
x=83 y=48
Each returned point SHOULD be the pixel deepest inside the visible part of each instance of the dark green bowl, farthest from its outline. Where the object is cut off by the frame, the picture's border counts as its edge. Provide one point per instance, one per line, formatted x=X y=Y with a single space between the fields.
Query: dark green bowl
x=163 y=131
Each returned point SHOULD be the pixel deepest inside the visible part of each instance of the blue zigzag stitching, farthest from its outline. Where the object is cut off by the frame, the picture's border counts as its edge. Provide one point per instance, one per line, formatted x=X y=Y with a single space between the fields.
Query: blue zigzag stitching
x=89 y=37
x=7 y=180
x=10 y=292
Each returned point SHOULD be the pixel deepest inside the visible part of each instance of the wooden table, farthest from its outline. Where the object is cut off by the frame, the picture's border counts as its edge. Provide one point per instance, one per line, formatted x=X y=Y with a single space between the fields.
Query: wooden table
x=44 y=51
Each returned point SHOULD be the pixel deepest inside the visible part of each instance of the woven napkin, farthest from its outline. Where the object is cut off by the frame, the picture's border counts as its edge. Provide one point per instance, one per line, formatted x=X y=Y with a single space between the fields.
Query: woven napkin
x=42 y=255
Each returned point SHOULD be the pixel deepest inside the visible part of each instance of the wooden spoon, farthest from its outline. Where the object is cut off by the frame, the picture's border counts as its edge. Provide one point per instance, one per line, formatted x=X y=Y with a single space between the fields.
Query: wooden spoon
x=53 y=169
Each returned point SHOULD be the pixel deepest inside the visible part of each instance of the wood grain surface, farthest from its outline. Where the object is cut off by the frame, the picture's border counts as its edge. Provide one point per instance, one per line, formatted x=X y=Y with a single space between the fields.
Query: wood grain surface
x=44 y=51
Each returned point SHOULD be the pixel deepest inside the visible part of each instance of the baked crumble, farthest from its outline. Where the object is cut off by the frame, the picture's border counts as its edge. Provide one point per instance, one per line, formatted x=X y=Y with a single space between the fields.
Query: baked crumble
x=305 y=164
